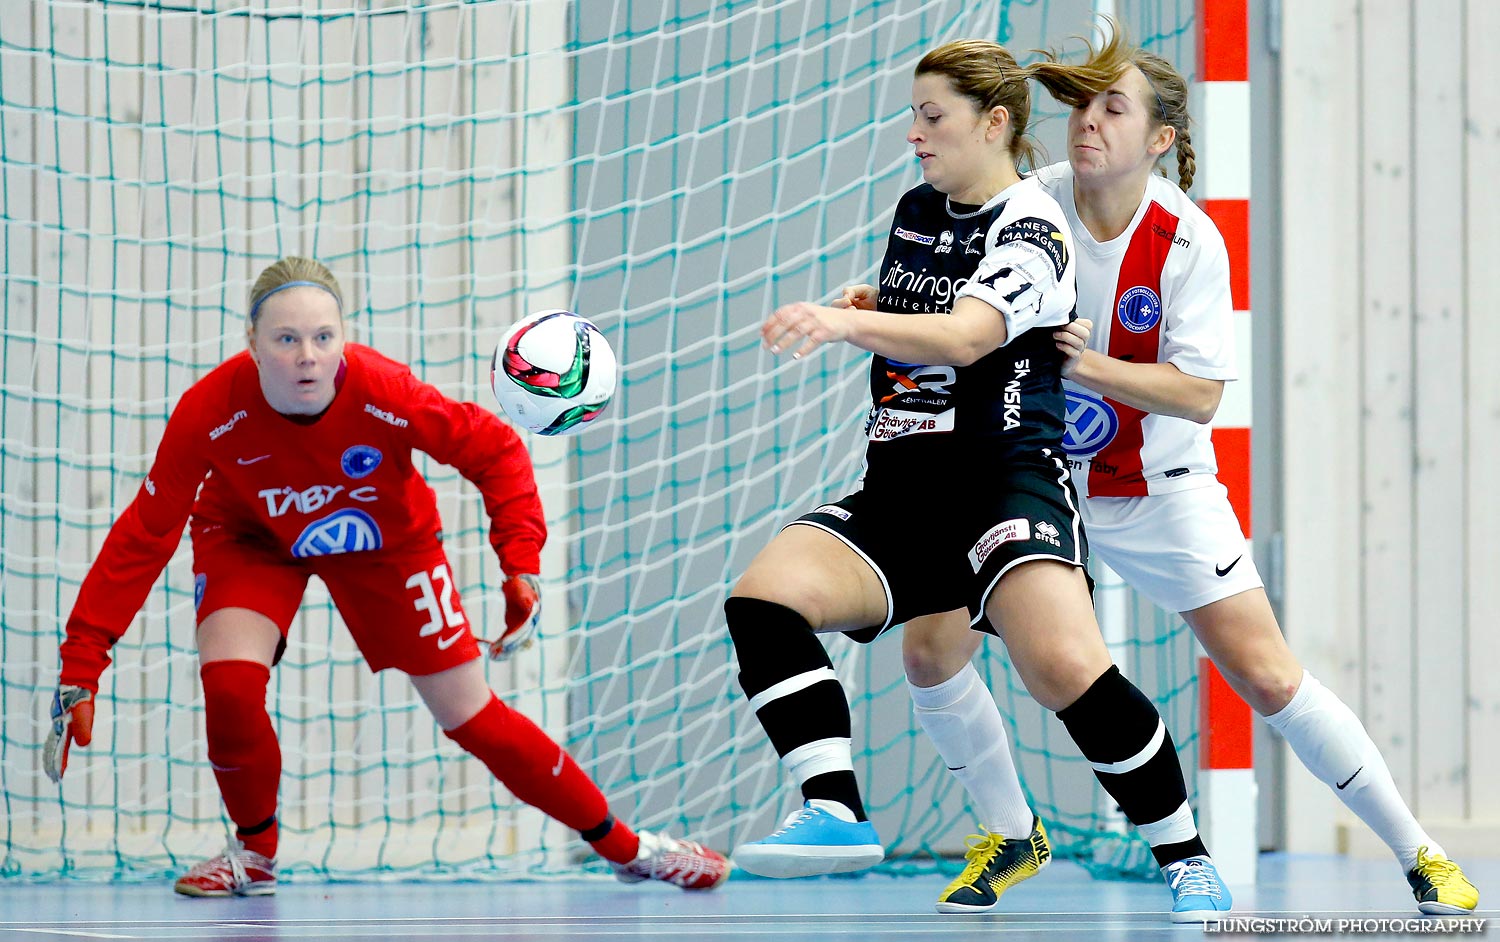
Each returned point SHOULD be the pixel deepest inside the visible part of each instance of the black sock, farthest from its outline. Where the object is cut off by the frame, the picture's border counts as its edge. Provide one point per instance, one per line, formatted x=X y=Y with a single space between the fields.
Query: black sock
x=775 y=644
x=1113 y=722
x=1171 y=853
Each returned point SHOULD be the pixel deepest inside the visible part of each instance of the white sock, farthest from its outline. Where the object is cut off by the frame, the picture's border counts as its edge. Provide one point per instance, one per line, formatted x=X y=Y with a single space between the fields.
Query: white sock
x=964 y=724
x=1333 y=744
x=819 y=756
x=836 y=808
x=1175 y=828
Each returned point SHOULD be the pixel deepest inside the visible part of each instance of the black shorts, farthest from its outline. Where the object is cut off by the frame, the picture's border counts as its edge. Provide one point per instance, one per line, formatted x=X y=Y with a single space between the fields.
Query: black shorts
x=948 y=551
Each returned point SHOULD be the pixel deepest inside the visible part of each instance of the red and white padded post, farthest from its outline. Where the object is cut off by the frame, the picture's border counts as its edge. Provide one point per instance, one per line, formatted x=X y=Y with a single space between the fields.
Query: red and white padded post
x=1227 y=805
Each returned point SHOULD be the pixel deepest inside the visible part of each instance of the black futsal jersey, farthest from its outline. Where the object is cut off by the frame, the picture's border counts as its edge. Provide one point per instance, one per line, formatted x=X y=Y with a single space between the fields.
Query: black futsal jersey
x=965 y=475
x=1015 y=254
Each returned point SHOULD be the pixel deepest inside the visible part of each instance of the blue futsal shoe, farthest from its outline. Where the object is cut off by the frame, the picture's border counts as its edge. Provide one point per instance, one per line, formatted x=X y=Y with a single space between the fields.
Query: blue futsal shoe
x=1198 y=894
x=820 y=837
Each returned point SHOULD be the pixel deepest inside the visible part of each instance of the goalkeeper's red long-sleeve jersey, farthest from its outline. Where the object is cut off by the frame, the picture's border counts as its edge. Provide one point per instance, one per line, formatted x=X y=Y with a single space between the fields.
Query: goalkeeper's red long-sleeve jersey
x=342 y=483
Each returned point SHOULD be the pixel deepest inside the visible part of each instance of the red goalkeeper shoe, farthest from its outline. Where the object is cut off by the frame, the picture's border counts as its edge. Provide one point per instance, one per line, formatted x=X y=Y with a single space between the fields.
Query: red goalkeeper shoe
x=236 y=872
x=679 y=862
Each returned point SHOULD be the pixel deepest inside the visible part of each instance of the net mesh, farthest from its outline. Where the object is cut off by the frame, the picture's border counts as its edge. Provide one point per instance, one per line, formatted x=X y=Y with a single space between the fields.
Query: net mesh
x=672 y=169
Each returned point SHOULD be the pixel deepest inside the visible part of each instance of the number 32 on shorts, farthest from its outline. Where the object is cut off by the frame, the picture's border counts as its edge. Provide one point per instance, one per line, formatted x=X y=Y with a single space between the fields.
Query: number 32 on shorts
x=438 y=604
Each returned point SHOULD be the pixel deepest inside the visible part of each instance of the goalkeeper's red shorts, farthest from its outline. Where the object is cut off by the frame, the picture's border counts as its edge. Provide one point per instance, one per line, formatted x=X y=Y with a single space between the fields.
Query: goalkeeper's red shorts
x=403 y=609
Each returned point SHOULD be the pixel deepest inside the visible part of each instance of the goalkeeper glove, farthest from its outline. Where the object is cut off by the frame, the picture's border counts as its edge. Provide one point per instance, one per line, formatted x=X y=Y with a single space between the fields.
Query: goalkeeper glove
x=523 y=612
x=72 y=721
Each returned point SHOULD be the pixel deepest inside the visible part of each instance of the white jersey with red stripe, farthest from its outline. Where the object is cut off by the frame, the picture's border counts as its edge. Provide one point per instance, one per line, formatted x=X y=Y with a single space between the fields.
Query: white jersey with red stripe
x=1157 y=293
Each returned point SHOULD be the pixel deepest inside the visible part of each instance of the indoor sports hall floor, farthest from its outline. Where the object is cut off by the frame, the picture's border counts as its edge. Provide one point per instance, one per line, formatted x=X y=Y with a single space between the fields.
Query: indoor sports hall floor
x=1062 y=903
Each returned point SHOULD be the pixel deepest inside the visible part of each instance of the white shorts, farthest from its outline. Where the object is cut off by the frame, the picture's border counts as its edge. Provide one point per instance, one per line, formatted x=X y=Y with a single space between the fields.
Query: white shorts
x=1181 y=550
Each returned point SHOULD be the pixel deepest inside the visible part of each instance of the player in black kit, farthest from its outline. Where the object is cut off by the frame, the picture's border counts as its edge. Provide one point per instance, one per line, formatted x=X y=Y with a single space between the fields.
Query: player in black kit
x=966 y=501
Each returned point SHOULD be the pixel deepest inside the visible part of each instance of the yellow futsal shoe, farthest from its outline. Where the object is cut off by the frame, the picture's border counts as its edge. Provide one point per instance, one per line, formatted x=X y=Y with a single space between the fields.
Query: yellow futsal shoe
x=1440 y=886
x=995 y=865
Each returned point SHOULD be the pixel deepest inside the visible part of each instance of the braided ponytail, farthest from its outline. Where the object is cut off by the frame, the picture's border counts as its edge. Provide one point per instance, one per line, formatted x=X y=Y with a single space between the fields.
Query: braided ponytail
x=1187 y=161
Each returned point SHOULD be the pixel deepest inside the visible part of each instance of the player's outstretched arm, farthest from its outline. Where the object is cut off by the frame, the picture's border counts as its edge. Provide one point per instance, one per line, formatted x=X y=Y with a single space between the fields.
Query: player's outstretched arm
x=137 y=549
x=134 y=553
x=972 y=330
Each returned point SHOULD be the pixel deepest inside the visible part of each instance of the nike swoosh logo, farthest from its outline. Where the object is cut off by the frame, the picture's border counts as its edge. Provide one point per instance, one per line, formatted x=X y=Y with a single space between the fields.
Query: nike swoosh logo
x=959 y=769
x=252 y=460
x=557 y=769
x=1350 y=778
x=1225 y=570
x=448 y=642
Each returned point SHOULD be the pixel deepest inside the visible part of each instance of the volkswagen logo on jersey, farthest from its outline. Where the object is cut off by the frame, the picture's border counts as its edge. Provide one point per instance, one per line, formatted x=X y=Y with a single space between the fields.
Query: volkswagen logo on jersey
x=1139 y=309
x=347 y=531
x=1092 y=424
x=360 y=460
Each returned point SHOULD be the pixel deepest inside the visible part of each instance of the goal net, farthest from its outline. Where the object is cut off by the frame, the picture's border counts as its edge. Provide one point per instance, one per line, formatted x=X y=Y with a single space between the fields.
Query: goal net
x=673 y=169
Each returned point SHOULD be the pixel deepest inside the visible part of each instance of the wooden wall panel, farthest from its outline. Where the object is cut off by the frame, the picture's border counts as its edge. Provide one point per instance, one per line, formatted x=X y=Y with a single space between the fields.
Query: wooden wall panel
x=1480 y=338
x=1320 y=203
x=1415 y=228
x=1438 y=387
x=1383 y=371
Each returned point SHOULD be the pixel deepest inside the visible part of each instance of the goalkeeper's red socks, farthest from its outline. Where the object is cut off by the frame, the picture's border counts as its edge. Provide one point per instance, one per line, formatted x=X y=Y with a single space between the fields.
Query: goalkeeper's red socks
x=261 y=838
x=242 y=748
x=541 y=773
x=614 y=841
x=246 y=760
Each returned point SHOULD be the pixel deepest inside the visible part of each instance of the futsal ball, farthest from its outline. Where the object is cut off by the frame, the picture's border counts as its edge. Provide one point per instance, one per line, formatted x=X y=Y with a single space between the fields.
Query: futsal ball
x=553 y=372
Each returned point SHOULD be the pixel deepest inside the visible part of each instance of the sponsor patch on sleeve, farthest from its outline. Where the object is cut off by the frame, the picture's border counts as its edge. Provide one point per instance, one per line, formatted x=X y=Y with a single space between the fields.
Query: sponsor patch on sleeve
x=1040 y=234
x=832 y=510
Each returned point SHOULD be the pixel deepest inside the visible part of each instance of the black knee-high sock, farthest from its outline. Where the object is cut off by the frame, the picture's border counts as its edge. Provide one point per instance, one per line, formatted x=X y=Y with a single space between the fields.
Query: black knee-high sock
x=1118 y=729
x=787 y=675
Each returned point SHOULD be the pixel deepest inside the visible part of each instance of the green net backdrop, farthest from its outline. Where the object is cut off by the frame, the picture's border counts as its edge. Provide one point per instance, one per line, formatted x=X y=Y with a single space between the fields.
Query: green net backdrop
x=671 y=169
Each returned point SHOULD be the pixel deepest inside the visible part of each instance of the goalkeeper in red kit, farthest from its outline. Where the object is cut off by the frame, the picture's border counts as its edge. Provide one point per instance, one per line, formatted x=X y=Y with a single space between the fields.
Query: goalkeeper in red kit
x=303 y=449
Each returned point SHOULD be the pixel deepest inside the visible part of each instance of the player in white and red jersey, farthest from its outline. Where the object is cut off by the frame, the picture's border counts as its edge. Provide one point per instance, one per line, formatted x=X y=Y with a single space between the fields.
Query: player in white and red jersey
x=965 y=506
x=303 y=449
x=1153 y=278
x=1166 y=278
